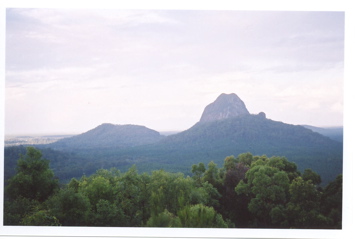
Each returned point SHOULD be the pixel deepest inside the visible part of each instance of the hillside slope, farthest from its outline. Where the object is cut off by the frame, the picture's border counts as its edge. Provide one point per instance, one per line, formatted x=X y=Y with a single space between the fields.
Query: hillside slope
x=258 y=135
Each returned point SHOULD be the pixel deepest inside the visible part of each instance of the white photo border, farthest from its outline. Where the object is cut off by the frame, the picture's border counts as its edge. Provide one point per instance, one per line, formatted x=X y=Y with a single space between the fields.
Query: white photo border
x=259 y=5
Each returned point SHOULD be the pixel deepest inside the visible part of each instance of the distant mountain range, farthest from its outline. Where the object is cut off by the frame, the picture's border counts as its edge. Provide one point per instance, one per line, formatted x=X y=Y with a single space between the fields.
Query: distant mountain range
x=226 y=128
x=335 y=133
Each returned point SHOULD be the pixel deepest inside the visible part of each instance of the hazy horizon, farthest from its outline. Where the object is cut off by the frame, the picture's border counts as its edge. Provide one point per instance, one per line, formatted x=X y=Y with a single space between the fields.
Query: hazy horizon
x=68 y=71
x=163 y=132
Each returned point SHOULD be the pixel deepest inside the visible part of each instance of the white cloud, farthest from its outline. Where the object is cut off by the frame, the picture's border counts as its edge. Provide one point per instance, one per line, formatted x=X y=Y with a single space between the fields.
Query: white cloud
x=79 y=68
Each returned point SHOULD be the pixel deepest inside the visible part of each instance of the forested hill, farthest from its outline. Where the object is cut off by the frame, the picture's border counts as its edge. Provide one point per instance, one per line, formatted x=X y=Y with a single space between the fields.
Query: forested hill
x=258 y=135
x=249 y=132
x=110 y=136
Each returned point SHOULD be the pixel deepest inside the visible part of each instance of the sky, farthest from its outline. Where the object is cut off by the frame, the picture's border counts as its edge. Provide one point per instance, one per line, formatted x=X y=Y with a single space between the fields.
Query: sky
x=70 y=70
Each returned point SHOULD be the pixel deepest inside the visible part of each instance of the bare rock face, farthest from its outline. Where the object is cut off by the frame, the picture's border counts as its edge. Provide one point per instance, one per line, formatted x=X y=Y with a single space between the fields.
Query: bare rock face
x=224 y=107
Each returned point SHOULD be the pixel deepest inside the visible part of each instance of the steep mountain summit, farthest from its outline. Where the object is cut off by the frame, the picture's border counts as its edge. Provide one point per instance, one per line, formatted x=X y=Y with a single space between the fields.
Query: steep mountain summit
x=224 y=107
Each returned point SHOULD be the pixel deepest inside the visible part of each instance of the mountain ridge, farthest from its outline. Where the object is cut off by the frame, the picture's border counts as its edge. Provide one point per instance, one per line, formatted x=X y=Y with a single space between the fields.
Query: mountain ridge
x=248 y=131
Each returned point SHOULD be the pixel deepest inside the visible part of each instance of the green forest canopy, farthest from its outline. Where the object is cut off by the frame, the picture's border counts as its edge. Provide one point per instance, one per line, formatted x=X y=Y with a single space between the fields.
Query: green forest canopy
x=247 y=192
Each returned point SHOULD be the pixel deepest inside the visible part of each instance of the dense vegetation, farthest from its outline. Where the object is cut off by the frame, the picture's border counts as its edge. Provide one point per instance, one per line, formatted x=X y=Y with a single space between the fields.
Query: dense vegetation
x=247 y=192
x=65 y=165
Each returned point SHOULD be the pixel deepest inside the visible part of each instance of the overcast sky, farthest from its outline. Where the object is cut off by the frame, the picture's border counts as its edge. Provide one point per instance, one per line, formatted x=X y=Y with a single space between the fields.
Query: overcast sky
x=68 y=71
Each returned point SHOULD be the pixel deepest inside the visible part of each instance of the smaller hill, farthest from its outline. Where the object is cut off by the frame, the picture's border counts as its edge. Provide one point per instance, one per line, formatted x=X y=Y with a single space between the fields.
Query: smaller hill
x=110 y=136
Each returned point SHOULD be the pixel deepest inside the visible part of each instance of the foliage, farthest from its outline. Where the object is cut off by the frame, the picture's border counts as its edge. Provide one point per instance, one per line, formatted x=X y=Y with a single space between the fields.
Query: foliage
x=212 y=174
x=312 y=176
x=268 y=187
x=303 y=207
x=233 y=206
x=280 y=197
x=107 y=214
x=331 y=202
x=247 y=192
x=198 y=170
x=34 y=179
x=170 y=191
x=40 y=218
x=164 y=219
x=15 y=210
x=200 y=216
x=70 y=207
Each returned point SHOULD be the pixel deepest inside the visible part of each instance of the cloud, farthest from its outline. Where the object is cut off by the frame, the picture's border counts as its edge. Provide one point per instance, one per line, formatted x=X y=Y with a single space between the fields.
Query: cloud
x=161 y=68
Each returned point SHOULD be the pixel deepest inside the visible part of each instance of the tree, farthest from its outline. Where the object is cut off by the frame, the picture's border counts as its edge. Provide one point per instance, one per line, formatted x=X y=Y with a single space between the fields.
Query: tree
x=74 y=184
x=70 y=208
x=303 y=209
x=96 y=189
x=268 y=188
x=246 y=159
x=129 y=195
x=164 y=219
x=233 y=177
x=34 y=179
x=230 y=163
x=107 y=214
x=284 y=165
x=331 y=202
x=309 y=174
x=201 y=216
x=212 y=176
x=198 y=170
x=170 y=191
x=40 y=217
x=234 y=206
x=16 y=210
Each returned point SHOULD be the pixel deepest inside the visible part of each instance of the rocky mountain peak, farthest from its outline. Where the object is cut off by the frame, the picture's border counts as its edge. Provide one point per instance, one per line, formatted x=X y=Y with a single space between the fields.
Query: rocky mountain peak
x=224 y=107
